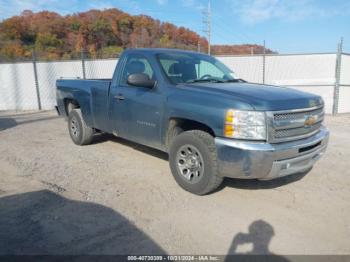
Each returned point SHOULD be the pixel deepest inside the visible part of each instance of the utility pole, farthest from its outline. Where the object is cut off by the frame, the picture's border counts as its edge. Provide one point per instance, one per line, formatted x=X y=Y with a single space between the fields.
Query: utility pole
x=199 y=47
x=207 y=24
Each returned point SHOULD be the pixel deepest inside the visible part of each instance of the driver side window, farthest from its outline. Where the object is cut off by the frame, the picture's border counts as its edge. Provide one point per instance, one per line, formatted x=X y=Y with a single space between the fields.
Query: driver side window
x=136 y=64
x=206 y=68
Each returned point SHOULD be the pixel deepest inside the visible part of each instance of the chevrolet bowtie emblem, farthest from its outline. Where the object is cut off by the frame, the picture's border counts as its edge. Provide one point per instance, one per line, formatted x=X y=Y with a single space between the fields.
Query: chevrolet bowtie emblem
x=309 y=121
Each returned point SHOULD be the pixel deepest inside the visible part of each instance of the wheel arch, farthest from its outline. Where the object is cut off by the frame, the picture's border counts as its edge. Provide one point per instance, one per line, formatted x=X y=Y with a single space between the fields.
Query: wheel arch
x=177 y=125
x=70 y=104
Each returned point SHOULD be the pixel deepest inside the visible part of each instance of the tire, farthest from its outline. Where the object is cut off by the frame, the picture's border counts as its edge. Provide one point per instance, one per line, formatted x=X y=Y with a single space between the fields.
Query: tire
x=195 y=151
x=79 y=132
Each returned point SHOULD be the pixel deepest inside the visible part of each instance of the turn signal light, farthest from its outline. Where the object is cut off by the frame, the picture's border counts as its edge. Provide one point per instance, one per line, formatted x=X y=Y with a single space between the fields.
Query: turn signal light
x=229 y=129
x=229 y=117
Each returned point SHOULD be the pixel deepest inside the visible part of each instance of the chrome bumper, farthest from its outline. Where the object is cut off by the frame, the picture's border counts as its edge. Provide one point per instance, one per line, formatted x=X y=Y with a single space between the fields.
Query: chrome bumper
x=245 y=159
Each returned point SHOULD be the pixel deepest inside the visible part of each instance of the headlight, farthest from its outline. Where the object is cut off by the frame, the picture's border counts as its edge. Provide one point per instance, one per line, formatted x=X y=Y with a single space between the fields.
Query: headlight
x=245 y=125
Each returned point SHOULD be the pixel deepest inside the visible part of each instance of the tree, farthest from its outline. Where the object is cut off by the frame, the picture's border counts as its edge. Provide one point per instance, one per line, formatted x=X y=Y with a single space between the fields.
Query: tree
x=99 y=32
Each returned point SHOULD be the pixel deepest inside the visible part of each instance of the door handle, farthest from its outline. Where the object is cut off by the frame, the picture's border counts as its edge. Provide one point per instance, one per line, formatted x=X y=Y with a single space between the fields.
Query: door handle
x=119 y=97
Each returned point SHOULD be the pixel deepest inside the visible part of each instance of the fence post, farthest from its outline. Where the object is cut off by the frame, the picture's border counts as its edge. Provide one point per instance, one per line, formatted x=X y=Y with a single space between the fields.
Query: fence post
x=83 y=63
x=337 y=77
x=264 y=63
x=36 y=79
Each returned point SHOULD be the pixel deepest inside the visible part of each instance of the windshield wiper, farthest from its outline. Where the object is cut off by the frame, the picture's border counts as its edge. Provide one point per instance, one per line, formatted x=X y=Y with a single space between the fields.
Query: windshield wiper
x=213 y=80
x=236 y=80
x=217 y=80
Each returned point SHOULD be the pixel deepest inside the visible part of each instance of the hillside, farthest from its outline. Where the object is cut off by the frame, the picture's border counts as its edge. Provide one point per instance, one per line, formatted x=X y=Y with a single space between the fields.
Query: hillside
x=239 y=49
x=101 y=33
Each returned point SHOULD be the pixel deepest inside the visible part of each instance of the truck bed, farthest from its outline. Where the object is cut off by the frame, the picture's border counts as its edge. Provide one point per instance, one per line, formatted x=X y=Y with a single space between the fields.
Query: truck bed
x=94 y=91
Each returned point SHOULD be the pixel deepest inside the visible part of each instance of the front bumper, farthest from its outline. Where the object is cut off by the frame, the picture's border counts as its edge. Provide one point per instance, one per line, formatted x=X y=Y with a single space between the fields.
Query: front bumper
x=245 y=159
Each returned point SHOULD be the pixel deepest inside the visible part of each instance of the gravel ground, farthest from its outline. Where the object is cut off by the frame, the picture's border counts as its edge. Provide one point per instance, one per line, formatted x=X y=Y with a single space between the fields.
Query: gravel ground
x=116 y=197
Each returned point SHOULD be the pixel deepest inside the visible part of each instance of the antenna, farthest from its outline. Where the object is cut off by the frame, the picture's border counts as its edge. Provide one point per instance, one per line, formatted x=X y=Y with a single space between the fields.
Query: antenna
x=207 y=24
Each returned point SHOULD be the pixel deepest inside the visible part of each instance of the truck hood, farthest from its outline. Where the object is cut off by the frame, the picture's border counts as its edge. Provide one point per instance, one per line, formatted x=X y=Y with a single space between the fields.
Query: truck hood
x=260 y=97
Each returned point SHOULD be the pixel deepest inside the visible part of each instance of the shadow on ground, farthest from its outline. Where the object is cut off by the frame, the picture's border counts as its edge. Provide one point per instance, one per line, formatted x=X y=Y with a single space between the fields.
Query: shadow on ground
x=9 y=122
x=17 y=114
x=255 y=184
x=228 y=182
x=43 y=222
x=259 y=236
x=101 y=138
x=6 y=123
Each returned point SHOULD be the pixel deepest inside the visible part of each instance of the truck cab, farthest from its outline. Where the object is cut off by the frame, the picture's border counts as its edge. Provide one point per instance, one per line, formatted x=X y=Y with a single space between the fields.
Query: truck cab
x=190 y=105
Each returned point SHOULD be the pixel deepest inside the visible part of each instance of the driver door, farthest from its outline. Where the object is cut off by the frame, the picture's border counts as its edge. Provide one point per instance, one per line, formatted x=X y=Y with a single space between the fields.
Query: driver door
x=138 y=108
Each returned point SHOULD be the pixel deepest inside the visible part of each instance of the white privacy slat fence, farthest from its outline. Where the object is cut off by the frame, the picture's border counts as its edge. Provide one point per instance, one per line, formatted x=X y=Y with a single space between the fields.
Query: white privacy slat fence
x=345 y=69
x=314 y=73
x=17 y=87
x=48 y=72
x=249 y=68
x=344 y=90
x=103 y=68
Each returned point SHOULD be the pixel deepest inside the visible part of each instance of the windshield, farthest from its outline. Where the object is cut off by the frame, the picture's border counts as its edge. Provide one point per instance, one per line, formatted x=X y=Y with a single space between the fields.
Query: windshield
x=191 y=68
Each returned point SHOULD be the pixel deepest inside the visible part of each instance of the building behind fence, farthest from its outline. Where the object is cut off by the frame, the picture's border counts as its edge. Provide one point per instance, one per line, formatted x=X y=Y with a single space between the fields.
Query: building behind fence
x=31 y=85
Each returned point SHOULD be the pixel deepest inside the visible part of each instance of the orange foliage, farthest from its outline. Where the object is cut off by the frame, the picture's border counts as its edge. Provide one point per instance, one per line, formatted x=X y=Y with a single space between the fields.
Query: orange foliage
x=54 y=36
x=239 y=49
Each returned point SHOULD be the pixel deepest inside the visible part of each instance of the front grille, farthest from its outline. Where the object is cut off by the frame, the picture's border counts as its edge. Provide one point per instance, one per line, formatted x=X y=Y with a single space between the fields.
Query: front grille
x=296 y=115
x=282 y=133
x=292 y=125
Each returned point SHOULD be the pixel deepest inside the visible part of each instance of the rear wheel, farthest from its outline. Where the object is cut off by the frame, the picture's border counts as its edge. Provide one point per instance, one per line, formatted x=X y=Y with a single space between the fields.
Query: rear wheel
x=79 y=132
x=192 y=159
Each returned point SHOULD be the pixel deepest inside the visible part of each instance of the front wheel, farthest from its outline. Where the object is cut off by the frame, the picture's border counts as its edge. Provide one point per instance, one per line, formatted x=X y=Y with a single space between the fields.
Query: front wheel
x=192 y=159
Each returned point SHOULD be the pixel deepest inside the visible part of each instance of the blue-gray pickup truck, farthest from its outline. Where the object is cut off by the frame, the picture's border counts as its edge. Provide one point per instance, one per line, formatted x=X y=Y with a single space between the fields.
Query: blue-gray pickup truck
x=211 y=123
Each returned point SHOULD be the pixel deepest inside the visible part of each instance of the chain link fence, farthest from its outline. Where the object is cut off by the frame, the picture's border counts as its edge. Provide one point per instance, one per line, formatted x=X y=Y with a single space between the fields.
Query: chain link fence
x=312 y=73
x=30 y=85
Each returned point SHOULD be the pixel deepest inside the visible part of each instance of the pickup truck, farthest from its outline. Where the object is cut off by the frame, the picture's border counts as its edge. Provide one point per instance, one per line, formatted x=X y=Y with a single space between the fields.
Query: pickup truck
x=211 y=123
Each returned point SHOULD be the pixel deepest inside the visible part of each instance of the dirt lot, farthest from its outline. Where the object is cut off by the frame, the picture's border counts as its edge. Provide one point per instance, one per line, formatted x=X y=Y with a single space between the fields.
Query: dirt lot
x=116 y=197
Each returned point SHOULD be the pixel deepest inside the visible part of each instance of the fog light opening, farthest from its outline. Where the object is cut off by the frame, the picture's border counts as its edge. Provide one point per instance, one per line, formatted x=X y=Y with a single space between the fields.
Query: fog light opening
x=286 y=166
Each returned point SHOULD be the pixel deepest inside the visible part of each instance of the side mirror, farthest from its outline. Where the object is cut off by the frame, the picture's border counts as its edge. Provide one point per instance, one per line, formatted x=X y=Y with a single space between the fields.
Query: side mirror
x=141 y=80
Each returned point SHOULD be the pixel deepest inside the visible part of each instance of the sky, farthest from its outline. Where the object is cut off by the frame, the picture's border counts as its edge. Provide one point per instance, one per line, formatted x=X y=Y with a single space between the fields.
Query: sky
x=287 y=26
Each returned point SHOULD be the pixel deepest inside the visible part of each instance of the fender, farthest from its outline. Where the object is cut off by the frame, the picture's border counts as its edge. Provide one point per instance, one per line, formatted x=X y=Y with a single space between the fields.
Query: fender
x=80 y=95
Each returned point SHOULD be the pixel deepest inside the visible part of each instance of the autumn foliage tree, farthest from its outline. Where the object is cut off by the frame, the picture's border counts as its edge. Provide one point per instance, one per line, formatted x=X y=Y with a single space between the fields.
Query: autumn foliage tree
x=239 y=49
x=101 y=33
